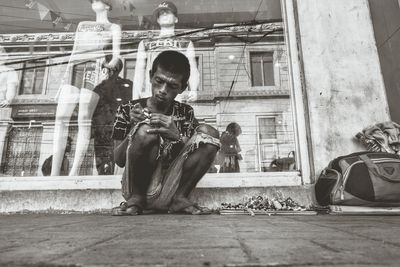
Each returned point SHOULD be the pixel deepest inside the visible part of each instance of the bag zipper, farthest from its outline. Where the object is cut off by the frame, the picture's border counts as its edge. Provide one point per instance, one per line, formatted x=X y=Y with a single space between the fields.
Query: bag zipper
x=345 y=174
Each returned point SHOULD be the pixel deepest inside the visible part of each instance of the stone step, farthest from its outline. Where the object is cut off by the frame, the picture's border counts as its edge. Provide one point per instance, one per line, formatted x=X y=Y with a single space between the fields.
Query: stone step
x=101 y=193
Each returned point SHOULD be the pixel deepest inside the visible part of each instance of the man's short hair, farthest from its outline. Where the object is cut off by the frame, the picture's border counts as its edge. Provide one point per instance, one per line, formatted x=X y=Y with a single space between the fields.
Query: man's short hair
x=174 y=62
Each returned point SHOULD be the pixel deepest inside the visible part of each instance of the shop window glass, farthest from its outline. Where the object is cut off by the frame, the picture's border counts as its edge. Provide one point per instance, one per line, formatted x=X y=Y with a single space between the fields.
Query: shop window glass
x=55 y=76
x=243 y=89
x=87 y=167
x=78 y=73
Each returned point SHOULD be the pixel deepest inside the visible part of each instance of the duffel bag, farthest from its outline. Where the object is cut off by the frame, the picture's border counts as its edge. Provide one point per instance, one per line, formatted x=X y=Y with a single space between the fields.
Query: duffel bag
x=360 y=179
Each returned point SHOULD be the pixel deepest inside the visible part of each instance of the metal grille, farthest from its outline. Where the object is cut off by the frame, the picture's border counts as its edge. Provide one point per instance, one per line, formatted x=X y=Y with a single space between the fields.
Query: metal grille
x=23 y=151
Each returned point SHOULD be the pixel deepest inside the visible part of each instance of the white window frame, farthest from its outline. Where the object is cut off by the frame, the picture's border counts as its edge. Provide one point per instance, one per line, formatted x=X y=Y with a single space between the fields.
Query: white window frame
x=296 y=83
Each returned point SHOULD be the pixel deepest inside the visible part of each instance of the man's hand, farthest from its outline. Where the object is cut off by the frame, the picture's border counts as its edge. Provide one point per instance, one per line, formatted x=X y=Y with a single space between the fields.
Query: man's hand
x=138 y=113
x=165 y=126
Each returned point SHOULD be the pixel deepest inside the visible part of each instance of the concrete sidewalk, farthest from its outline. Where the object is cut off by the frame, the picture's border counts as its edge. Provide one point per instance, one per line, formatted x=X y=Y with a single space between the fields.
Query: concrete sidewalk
x=214 y=240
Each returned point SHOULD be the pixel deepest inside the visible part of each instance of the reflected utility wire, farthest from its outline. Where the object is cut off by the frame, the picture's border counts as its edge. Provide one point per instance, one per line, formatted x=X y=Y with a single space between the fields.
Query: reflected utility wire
x=247 y=23
x=235 y=77
x=64 y=22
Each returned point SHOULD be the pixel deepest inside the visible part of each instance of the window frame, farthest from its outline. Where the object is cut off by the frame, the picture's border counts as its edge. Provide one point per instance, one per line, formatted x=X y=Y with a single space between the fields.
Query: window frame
x=262 y=70
x=264 y=48
x=268 y=141
x=125 y=58
x=44 y=85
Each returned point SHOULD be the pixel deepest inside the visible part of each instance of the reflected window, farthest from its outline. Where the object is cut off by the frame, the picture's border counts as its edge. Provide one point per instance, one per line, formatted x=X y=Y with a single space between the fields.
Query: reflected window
x=129 y=70
x=33 y=78
x=267 y=141
x=267 y=128
x=262 y=68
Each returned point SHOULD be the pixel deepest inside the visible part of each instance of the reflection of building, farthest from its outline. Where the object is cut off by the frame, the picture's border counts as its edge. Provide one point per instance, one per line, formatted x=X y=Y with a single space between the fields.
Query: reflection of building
x=258 y=99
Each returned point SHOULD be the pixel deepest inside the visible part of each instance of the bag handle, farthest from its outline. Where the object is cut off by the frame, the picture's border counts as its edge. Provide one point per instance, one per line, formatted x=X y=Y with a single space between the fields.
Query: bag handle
x=375 y=169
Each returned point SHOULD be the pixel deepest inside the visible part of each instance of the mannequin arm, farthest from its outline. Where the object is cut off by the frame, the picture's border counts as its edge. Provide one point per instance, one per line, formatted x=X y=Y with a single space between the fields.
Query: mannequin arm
x=116 y=45
x=194 y=78
x=12 y=87
x=140 y=71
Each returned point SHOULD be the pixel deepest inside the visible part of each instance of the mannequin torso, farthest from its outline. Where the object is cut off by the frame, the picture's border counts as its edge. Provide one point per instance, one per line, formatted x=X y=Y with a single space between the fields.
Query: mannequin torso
x=152 y=48
x=92 y=38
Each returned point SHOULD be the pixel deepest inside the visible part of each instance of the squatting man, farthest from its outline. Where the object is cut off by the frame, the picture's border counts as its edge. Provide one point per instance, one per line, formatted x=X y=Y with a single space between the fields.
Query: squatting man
x=159 y=141
x=166 y=16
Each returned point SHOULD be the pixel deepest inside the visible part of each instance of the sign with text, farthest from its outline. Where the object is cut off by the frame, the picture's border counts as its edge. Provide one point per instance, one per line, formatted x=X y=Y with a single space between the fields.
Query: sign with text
x=34 y=111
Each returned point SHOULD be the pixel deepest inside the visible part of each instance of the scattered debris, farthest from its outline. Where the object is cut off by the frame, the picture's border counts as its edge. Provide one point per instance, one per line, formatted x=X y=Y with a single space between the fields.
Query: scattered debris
x=263 y=205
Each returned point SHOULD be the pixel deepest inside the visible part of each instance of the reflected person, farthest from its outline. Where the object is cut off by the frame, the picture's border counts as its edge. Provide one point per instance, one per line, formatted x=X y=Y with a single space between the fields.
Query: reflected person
x=112 y=91
x=46 y=167
x=229 y=155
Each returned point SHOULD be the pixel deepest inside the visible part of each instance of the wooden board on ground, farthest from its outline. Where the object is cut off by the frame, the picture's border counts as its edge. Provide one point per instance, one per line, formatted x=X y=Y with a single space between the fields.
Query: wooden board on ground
x=268 y=213
x=358 y=210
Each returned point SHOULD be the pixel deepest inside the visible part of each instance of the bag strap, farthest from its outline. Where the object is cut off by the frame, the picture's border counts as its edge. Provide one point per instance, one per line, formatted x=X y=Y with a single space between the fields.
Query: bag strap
x=375 y=169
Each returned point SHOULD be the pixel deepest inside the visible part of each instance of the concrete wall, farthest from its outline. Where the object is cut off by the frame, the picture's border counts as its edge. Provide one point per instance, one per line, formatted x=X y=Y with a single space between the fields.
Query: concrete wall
x=104 y=199
x=342 y=75
x=386 y=20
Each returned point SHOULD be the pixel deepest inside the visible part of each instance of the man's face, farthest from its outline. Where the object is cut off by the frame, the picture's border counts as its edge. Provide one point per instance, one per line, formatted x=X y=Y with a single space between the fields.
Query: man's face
x=166 y=18
x=166 y=86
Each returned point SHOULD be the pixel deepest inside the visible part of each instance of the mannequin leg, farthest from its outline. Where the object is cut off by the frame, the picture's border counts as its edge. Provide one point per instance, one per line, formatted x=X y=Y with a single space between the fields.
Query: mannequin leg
x=67 y=100
x=87 y=104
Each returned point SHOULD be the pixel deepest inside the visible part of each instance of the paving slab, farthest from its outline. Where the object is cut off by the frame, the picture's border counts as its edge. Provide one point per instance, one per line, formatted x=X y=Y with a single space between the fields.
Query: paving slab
x=214 y=240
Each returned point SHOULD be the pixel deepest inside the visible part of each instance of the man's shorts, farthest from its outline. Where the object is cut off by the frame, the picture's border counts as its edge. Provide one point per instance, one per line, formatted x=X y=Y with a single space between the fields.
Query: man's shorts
x=167 y=175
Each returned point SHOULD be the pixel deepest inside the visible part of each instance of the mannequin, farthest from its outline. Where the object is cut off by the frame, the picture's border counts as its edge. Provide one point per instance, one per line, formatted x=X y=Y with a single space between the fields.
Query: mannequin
x=8 y=80
x=90 y=40
x=166 y=15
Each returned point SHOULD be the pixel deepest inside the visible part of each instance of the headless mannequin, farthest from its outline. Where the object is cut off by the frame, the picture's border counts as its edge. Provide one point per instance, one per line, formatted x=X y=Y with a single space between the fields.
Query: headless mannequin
x=8 y=81
x=149 y=49
x=90 y=40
